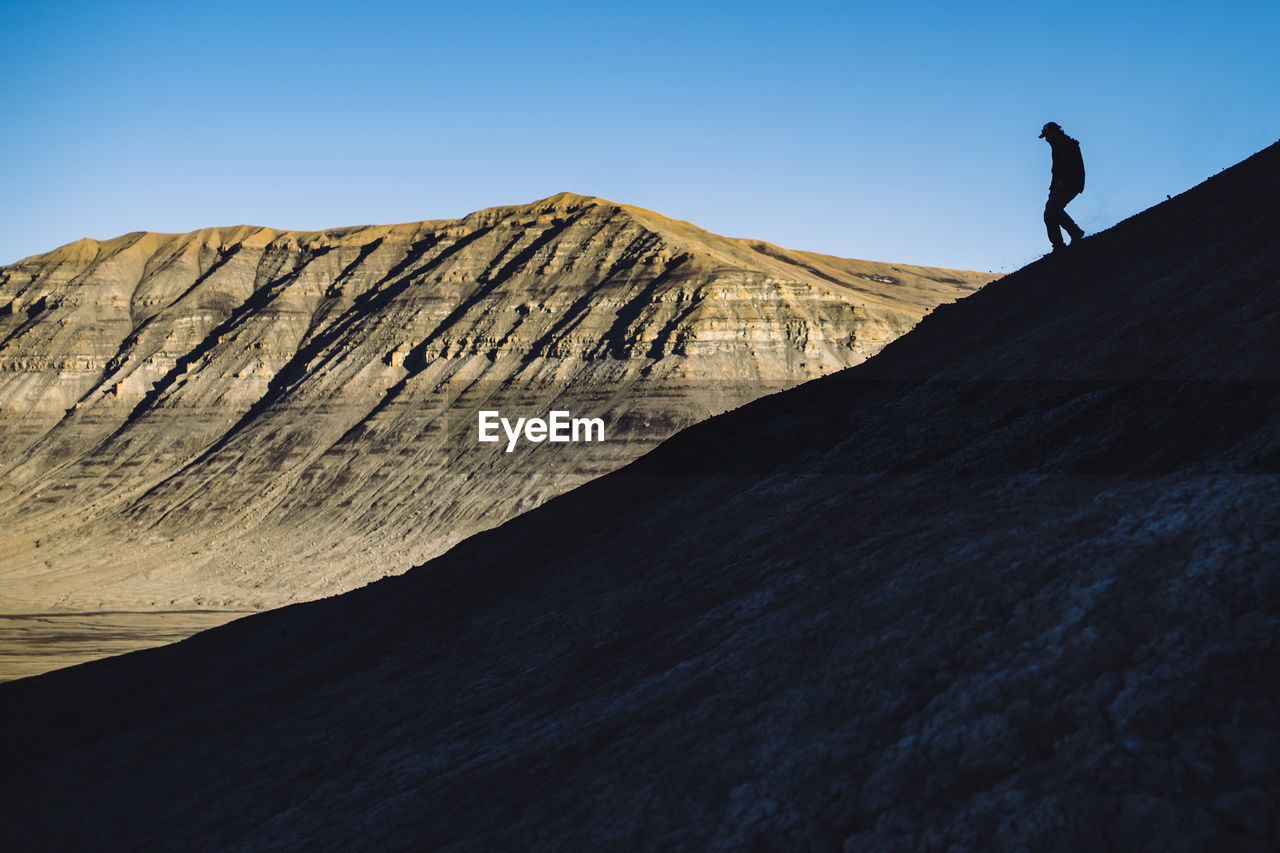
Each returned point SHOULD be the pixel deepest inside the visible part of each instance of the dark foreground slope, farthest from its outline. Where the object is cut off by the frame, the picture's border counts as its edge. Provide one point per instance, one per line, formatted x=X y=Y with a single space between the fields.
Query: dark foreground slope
x=1011 y=584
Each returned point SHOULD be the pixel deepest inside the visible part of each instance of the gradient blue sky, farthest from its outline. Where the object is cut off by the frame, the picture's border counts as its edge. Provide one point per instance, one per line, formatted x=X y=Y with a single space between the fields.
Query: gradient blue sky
x=891 y=131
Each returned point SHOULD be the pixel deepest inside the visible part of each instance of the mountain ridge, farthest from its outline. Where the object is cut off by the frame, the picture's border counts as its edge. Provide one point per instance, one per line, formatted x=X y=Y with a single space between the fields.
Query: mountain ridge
x=231 y=419
x=561 y=202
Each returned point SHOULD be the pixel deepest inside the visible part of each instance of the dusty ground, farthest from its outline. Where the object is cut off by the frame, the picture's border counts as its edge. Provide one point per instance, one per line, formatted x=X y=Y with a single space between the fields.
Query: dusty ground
x=35 y=643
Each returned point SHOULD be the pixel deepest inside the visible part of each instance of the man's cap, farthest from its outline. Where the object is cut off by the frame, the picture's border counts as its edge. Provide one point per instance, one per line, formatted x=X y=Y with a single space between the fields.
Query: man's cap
x=1053 y=125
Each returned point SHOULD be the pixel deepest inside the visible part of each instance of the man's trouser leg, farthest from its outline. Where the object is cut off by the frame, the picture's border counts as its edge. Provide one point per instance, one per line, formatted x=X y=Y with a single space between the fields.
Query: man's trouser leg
x=1056 y=218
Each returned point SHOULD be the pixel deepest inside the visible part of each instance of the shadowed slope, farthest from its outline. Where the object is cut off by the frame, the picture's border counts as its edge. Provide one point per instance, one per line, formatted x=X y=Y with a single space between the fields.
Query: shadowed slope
x=1011 y=584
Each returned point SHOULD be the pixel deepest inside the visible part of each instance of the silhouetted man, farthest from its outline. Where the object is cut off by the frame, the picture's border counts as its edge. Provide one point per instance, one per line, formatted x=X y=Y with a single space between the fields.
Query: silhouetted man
x=1066 y=184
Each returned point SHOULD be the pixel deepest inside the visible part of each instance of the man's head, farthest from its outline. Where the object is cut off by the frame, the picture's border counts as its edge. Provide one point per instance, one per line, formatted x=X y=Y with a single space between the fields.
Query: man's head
x=1050 y=130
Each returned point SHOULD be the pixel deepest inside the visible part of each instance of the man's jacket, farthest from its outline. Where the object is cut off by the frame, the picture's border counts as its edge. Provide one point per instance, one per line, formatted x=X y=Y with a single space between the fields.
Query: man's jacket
x=1068 y=165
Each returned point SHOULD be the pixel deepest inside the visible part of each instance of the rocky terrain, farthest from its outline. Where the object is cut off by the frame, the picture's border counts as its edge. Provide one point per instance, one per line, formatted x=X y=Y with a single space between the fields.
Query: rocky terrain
x=237 y=418
x=1011 y=584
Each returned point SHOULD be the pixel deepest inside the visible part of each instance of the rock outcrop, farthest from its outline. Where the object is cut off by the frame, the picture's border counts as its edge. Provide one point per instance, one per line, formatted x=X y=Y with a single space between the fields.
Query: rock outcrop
x=237 y=418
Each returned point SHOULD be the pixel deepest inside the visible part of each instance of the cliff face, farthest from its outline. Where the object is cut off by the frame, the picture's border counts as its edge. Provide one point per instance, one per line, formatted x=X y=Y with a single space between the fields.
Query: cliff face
x=240 y=417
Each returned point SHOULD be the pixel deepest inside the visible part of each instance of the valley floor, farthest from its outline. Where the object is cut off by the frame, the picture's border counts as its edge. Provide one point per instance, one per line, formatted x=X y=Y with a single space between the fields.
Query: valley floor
x=38 y=642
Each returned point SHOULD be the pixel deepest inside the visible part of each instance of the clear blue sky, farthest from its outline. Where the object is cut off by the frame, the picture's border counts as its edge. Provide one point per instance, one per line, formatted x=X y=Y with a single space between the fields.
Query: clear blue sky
x=897 y=131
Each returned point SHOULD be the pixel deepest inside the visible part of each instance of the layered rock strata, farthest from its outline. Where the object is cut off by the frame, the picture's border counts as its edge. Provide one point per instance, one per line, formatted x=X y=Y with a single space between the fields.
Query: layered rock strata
x=237 y=418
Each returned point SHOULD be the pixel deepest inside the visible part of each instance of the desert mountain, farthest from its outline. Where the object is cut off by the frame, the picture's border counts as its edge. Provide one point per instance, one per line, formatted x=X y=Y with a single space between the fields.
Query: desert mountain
x=237 y=418
x=1011 y=584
